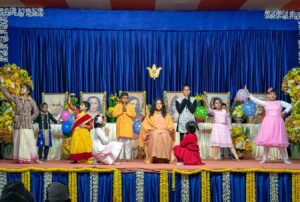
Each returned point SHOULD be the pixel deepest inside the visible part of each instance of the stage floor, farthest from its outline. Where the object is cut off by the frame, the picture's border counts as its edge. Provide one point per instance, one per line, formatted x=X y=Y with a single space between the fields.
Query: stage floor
x=139 y=165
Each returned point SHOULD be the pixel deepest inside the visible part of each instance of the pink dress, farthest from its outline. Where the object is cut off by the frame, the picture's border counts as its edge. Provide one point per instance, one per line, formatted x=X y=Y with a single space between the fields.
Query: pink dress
x=272 y=132
x=220 y=135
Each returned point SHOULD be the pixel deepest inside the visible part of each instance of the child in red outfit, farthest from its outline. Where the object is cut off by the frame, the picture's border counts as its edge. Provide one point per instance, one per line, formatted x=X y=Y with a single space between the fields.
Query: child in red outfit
x=188 y=150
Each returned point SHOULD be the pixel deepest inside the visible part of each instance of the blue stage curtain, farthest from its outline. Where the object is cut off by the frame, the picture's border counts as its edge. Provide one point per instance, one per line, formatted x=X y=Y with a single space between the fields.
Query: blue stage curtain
x=13 y=177
x=195 y=187
x=216 y=187
x=60 y=177
x=284 y=187
x=238 y=186
x=262 y=187
x=94 y=60
x=129 y=187
x=176 y=194
x=83 y=187
x=151 y=187
x=37 y=186
x=105 y=187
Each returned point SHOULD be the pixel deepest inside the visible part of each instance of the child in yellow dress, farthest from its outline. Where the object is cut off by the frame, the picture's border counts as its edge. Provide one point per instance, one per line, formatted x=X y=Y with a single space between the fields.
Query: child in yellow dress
x=125 y=113
x=81 y=142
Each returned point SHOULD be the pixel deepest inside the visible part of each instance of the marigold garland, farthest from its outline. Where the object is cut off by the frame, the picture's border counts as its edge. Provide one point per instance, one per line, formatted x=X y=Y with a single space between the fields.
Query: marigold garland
x=295 y=187
x=26 y=179
x=205 y=185
x=117 y=187
x=73 y=186
x=205 y=173
x=163 y=186
x=250 y=187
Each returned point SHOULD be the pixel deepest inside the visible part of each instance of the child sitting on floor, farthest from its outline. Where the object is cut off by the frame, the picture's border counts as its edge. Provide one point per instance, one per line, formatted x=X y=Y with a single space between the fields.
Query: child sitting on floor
x=188 y=151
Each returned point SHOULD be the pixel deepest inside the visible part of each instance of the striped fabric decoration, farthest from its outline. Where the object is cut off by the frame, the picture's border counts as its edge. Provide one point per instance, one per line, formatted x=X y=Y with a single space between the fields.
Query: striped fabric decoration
x=47 y=181
x=3 y=181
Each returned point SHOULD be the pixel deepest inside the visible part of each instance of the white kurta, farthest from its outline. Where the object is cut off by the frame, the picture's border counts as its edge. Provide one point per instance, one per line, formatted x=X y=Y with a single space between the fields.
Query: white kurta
x=105 y=150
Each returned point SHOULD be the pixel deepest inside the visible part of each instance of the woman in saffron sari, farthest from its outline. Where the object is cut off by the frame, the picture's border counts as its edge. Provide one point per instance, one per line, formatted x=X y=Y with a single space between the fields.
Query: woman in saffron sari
x=157 y=135
x=81 y=142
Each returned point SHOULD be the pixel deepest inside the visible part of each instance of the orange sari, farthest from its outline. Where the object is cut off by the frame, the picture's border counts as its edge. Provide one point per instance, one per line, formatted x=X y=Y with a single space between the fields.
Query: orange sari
x=158 y=136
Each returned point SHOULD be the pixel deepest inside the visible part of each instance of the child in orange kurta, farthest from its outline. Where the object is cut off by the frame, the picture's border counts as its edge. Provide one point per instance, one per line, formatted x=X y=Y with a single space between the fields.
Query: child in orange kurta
x=125 y=114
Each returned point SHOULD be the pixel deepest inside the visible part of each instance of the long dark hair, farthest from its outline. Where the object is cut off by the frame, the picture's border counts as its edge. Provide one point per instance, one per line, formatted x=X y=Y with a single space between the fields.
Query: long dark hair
x=153 y=107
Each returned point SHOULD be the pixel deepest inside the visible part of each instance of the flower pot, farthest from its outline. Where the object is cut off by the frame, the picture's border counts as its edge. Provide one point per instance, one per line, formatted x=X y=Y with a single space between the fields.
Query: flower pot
x=7 y=150
x=295 y=151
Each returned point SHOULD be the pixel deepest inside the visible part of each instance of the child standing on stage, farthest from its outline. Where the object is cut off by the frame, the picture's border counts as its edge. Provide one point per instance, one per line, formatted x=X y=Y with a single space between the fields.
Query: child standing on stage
x=125 y=114
x=186 y=106
x=104 y=150
x=81 y=142
x=26 y=111
x=272 y=132
x=44 y=140
x=220 y=136
x=225 y=152
x=188 y=150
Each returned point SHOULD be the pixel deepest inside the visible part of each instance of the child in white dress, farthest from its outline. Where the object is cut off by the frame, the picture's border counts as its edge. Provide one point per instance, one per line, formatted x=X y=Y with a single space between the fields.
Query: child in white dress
x=104 y=150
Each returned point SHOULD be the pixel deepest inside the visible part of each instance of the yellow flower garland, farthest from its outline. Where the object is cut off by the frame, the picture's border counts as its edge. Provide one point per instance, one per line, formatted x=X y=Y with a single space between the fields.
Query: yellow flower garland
x=205 y=173
x=163 y=186
x=250 y=187
x=117 y=187
x=73 y=186
x=205 y=185
x=295 y=187
x=26 y=179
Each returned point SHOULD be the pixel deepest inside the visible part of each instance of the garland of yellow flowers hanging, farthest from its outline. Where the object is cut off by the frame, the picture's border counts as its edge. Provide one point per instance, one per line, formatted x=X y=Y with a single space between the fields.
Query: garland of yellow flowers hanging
x=250 y=187
x=295 y=187
x=25 y=177
x=117 y=188
x=205 y=185
x=72 y=184
x=13 y=76
x=163 y=186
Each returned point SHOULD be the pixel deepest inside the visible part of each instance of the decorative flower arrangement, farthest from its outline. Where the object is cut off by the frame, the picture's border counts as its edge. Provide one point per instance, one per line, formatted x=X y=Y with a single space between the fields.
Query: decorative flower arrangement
x=198 y=98
x=238 y=112
x=291 y=87
x=65 y=148
x=13 y=77
x=113 y=100
x=241 y=141
x=291 y=84
x=6 y=120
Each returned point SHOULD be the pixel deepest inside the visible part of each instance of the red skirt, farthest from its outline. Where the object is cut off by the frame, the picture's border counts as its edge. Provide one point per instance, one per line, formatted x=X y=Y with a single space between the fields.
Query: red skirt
x=186 y=156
